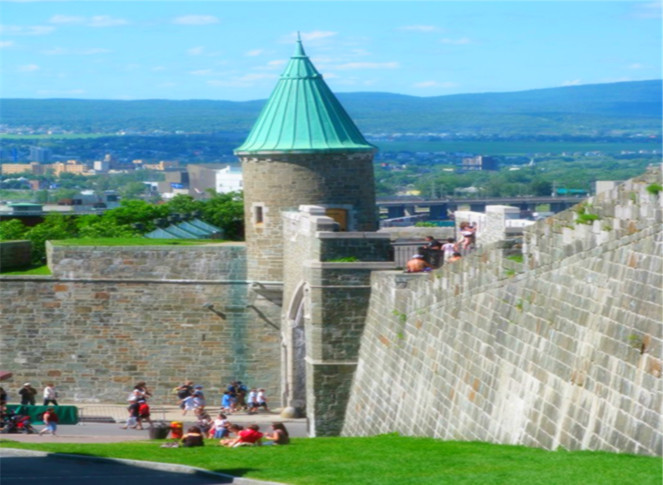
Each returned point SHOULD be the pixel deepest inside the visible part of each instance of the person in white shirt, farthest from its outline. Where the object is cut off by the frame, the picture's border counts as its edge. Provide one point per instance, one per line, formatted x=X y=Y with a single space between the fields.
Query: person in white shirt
x=252 y=401
x=50 y=394
x=449 y=248
x=262 y=400
x=220 y=427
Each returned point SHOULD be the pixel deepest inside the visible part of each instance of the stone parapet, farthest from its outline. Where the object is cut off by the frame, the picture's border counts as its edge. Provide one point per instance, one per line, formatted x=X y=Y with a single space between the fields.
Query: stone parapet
x=212 y=262
x=626 y=209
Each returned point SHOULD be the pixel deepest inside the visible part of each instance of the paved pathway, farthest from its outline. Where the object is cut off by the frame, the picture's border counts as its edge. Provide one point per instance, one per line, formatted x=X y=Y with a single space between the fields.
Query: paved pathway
x=91 y=432
x=31 y=468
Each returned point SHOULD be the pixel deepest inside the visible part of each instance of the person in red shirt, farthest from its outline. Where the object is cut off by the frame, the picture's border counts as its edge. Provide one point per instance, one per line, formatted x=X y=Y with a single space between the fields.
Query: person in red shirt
x=51 y=421
x=245 y=437
x=251 y=435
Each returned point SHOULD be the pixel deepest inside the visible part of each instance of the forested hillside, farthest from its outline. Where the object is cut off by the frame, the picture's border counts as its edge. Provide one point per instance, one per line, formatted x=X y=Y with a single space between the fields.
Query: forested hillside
x=600 y=109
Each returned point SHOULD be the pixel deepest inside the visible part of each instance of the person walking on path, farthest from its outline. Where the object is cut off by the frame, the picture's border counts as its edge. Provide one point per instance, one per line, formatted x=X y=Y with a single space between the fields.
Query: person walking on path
x=50 y=422
x=183 y=391
x=262 y=400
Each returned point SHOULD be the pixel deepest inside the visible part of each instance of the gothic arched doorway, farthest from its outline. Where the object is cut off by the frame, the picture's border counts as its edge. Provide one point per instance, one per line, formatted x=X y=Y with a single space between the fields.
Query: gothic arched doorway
x=295 y=351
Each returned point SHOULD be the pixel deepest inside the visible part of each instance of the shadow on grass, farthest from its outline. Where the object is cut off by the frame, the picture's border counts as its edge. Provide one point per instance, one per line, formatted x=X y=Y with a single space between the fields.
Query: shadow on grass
x=230 y=473
x=80 y=469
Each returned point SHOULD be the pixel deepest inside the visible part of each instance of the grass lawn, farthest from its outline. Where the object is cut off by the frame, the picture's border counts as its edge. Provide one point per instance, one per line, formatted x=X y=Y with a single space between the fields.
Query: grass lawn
x=388 y=459
x=133 y=241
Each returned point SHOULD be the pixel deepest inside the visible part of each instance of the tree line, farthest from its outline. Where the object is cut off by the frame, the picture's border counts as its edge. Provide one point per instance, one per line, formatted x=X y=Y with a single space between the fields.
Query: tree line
x=134 y=218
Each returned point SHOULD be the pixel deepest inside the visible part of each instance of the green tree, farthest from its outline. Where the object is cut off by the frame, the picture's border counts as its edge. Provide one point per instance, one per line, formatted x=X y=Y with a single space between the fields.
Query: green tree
x=104 y=229
x=185 y=204
x=135 y=212
x=134 y=190
x=12 y=230
x=226 y=211
x=54 y=227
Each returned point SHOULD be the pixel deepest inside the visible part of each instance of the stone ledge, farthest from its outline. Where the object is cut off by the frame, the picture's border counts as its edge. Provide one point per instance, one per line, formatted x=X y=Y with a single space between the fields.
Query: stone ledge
x=351 y=235
x=359 y=265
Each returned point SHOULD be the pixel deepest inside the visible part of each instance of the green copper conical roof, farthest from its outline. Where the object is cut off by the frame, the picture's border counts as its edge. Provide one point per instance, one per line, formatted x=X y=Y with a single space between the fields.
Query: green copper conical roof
x=303 y=116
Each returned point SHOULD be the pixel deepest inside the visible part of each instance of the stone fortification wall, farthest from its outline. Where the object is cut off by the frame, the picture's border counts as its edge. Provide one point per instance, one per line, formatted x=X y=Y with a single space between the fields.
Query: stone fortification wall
x=148 y=262
x=562 y=350
x=112 y=316
x=325 y=305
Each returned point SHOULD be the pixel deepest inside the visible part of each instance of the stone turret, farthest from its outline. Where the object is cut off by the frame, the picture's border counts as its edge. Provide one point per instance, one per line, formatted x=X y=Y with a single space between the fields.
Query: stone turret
x=303 y=149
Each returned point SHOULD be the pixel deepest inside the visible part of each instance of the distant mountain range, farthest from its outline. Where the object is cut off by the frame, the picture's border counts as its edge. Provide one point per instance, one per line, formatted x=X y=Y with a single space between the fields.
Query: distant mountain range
x=599 y=109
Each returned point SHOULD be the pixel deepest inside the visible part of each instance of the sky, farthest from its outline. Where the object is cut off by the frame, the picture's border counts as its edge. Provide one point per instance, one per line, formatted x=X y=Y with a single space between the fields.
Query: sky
x=236 y=50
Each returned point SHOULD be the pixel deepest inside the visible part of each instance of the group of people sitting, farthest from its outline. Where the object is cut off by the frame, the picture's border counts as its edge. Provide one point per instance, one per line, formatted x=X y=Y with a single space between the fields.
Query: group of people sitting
x=249 y=436
x=434 y=252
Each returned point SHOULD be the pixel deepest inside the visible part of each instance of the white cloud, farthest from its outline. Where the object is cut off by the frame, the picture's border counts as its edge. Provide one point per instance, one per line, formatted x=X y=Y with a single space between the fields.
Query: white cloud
x=6 y=43
x=29 y=30
x=271 y=65
x=201 y=72
x=66 y=19
x=106 y=21
x=460 y=41
x=28 y=68
x=419 y=28
x=254 y=52
x=57 y=51
x=647 y=10
x=94 y=21
x=368 y=65
x=574 y=82
x=196 y=20
x=636 y=65
x=196 y=51
x=435 y=84
x=158 y=68
x=311 y=36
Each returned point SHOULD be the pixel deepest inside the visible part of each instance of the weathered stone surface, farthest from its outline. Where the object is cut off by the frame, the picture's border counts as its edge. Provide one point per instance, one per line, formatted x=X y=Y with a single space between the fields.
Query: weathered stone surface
x=96 y=327
x=283 y=182
x=562 y=353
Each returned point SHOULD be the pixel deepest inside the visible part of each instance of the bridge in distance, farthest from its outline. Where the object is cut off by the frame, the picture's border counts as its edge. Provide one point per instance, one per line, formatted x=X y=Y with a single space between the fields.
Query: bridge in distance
x=439 y=209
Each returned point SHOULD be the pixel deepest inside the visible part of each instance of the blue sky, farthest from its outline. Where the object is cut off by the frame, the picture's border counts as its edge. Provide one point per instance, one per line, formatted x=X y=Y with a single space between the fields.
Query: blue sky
x=227 y=50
